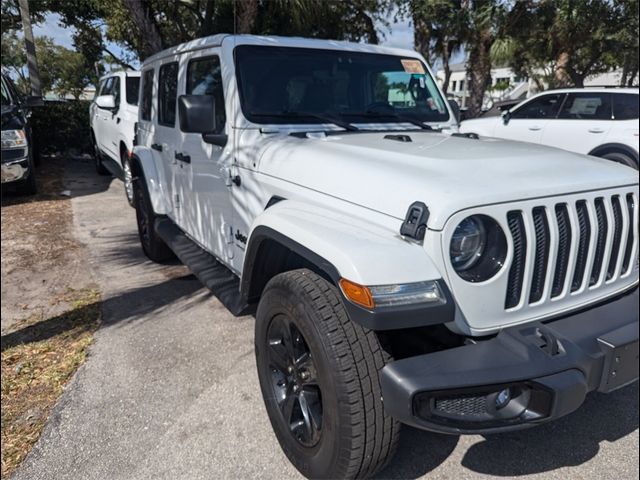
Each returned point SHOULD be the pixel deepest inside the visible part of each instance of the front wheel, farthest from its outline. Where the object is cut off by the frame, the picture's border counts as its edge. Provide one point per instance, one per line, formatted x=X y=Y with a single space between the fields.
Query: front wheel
x=152 y=245
x=128 y=178
x=319 y=376
x=97 y=158
x=622 y=158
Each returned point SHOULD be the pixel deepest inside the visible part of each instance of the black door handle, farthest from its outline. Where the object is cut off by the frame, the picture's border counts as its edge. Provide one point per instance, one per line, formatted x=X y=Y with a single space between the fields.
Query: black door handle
x=182 y=157
x=156 y=146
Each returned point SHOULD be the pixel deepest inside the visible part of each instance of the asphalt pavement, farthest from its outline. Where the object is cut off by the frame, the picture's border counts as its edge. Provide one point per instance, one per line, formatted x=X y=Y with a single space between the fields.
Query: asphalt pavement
x=170 y=391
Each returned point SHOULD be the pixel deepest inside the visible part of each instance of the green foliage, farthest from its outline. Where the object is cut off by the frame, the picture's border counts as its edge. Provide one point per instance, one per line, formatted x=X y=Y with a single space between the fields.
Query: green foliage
x=60 y=126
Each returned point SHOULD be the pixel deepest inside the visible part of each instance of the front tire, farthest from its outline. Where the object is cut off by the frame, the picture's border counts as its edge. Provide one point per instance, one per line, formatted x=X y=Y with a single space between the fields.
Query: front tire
x=319 y=376
x=128 y=178
x=97 y=157
x=152 y=245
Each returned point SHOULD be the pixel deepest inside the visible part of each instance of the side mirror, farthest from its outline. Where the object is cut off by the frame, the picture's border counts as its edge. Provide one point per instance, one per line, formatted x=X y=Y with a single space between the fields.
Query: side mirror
x=506 y=116
x=197 y=113
x=108 y=102
x=33 y=101
x=455 y=107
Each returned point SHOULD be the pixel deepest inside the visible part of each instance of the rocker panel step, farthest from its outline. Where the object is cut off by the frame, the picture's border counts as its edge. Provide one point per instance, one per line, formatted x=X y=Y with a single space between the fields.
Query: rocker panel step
x=222 y=282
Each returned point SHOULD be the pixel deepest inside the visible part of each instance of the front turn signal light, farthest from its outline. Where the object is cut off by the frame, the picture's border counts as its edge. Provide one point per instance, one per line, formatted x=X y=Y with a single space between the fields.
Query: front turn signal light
x=358 y=294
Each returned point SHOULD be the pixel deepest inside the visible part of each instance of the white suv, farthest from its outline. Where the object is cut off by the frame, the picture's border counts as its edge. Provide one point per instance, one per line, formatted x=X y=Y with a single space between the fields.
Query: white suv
x=595 y=121
x=399 y=271
x=113 y=114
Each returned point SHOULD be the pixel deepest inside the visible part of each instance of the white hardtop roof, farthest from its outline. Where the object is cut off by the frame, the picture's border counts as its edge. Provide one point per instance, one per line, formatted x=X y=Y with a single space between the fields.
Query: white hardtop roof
x=591 y=89
x=125 y=73
x=218 y=40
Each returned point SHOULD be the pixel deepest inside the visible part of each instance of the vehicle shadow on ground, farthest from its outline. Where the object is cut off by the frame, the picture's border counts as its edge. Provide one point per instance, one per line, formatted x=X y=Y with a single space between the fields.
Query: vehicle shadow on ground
x=567 y=442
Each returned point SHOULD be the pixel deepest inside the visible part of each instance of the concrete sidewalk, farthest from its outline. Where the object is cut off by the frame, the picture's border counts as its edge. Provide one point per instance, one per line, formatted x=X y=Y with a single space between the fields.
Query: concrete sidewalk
x=169 y=390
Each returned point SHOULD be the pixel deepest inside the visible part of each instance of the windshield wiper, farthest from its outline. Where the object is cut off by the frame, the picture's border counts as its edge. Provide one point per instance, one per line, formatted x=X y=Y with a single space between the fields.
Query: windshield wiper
x=318 y=116
x=402 y=118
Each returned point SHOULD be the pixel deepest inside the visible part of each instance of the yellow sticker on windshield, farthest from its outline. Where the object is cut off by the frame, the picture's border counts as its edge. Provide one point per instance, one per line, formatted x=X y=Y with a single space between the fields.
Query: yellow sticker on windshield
x=412 y=66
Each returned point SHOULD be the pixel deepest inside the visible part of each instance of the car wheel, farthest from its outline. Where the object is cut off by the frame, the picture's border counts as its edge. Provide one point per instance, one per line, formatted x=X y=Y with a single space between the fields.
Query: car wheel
x=622 y=158
x=128 y=178
x=152 y=245
x=318 y=374
x=97 y=156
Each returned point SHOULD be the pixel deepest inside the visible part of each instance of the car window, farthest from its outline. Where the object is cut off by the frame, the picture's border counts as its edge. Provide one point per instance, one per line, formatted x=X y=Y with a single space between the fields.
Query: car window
x=147 y=91
x=107 y=87
x=546 y=106
x=587 y=106
x=100 y=88
x=133 y=90
x=115 y=91
x=625 y=106
x=167 y=93
x=6 y=96
x=204 y=77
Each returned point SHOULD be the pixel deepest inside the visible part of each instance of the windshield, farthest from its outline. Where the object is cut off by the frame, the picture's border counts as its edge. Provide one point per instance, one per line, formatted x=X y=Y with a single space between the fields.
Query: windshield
x=301 y=85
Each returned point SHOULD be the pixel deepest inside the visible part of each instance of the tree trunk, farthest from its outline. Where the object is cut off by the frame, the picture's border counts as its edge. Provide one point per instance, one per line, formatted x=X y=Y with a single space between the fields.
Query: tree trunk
x=32 y=64
x=141 y=14
x=446 y=54
x=561 y=76
x=479 y=72
x=421 y=35
x=247 y=16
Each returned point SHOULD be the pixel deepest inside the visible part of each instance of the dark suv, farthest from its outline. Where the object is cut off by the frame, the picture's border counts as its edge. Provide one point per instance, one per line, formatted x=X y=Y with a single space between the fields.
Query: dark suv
x=18 y=150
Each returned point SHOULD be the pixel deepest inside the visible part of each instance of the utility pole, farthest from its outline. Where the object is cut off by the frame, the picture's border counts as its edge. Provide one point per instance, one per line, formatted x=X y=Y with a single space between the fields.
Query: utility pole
x=32 y=64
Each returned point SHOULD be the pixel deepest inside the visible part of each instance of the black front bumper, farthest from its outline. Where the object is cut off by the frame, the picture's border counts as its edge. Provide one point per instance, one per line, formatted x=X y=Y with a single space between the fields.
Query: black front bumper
x=523 y=376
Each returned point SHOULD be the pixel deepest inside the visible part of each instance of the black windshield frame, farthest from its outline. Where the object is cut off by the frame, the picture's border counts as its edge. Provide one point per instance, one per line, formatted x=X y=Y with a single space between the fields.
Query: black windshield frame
x=356 y=115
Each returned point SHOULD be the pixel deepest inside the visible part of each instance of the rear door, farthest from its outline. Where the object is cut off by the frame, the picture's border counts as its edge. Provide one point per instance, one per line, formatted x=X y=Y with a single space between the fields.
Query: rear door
x=583 y=123
x=527 y=122
x=101 y=116
x=203 y=168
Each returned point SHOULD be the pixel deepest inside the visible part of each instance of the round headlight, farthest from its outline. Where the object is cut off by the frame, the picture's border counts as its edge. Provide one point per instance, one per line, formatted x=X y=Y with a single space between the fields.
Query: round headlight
x=478 y=248
x=467 y=243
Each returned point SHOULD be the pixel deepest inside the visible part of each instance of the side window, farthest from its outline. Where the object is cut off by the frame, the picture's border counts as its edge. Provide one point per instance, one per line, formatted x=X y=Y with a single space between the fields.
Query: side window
x=107 y=87
x=587 y=106
x=133 y=89
x=147 y=91
x=204 y=77
x=167 y=93
x=115 y=90
x=100 y=88
x=546 y=106
x=625 y=106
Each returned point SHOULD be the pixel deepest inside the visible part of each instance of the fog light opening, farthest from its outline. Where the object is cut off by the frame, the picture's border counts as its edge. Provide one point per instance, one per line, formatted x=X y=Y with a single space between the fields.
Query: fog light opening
x=503 y=398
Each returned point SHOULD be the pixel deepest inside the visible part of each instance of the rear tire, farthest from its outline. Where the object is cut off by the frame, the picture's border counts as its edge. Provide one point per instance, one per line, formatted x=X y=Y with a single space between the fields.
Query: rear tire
x=152 y=245
x=621 y=157
x=345 y=433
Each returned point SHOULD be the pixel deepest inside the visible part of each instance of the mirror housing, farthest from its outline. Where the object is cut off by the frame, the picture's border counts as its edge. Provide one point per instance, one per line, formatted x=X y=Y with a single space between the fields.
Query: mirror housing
x=108 y=102
x=455 y=107
x=506 y=116
x=197 y=113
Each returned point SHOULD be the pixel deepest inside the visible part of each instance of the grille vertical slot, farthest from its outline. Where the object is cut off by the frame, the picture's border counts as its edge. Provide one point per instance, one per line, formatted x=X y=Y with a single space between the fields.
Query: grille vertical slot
x=516 y=273
x=583 y=245
x=617 y=236
x=541 y=259
x=601 y=241
x=626 y=260
x=564 y=247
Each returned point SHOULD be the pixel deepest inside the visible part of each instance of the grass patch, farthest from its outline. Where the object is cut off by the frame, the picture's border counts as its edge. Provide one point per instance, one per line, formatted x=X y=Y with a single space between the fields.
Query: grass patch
x=39 y=356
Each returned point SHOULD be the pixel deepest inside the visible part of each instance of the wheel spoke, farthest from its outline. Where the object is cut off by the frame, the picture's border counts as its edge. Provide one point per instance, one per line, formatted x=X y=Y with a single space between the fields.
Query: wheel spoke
x=287 y=407
x=310 y=415
x=278 y=355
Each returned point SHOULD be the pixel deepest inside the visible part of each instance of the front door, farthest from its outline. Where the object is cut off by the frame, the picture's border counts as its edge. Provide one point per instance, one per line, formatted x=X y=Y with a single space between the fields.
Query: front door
x=527 y=123
x=203 y=178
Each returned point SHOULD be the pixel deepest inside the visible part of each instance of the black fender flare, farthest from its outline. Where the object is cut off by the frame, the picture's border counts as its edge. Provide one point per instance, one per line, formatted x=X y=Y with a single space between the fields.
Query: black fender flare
x=614 y=147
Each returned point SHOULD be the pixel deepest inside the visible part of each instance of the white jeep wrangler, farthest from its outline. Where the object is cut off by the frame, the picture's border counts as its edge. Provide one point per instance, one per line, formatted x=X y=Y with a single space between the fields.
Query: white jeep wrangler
x=400 y=272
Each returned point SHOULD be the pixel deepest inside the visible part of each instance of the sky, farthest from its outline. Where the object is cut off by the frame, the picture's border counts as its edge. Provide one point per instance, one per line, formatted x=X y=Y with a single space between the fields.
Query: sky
x=400 y=34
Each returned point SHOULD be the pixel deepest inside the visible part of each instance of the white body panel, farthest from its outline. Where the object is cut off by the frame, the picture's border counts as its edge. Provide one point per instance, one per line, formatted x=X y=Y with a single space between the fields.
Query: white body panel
x=115 y=128
x=346 y=194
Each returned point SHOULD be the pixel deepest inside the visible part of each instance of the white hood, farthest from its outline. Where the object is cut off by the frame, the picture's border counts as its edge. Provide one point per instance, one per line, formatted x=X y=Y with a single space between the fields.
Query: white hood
x=447 y=173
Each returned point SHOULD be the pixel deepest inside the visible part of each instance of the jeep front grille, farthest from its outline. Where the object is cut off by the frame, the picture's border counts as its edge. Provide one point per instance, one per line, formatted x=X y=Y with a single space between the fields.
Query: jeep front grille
x=566 y=248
